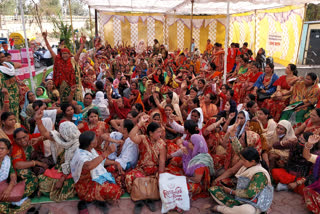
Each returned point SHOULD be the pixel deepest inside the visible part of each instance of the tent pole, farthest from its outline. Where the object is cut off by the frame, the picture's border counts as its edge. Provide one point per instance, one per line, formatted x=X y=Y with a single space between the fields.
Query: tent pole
x=73 y=44
x=255 y=33
x=192 y=1
x=91 y=28
x=165 y=30
x=27 y=45
x=96 y=22
x=226 y=41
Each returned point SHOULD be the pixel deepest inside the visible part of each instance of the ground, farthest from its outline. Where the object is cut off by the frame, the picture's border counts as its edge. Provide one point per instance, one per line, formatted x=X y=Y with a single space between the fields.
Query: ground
x=283 y=203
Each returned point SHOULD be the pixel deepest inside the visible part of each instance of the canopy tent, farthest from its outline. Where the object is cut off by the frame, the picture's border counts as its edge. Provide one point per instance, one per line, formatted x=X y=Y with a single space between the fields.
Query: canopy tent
x=240 y=20
x=183 y=7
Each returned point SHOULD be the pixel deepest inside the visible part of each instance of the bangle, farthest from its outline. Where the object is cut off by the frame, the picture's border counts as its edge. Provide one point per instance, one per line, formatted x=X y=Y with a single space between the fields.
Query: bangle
x=307 y=147
x=231 y=192
x=6 y=101
x=34 y=163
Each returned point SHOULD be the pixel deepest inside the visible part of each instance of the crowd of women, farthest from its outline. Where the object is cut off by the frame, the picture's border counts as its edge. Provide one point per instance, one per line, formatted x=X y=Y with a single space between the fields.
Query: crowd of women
x=104 y=119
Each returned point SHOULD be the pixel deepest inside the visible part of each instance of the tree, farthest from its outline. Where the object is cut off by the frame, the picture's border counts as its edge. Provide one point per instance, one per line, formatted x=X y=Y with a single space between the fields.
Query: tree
x=7 y=7
x=77 y=7
x=64 y=30
x=38 y=10
x=313 y=12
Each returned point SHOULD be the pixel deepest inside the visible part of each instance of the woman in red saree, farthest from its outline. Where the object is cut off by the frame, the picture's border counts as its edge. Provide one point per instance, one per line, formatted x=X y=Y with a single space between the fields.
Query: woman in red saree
x=92 y=181
x=120 y=107
x=245 y=81
x=93 y=124
x=152 y=155
x=280 y=99
x=214 y=137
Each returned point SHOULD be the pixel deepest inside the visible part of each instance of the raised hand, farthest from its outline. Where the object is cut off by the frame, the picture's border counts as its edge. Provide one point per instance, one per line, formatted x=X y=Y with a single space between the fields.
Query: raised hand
x=45 y=35
x=313 y=139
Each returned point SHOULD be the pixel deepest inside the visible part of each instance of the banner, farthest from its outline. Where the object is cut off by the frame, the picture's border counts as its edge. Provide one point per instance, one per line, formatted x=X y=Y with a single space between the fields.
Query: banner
x=275 y=30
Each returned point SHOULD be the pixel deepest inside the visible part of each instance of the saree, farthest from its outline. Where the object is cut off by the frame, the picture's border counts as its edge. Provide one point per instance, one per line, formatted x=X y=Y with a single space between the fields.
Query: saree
x=65 y=75
x=31 y=180
x=197 y=161
x=301 y=93
x=92 y=185
x=276 y=106
x=48 y=180
x=148 y=163
x=138 y=99
x=258 y=179
x=100 y=129
x=208 y=110
x=284 y=153
x=16 y=89
x=5 y=207
x=214 y=141
x=312 y=192
x=248 y=138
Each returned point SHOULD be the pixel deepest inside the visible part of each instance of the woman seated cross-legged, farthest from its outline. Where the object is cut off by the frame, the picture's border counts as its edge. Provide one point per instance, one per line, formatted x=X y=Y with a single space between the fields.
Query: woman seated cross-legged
x=253 y=193
x=152 y=157
x=197 y=165
x=92 y=181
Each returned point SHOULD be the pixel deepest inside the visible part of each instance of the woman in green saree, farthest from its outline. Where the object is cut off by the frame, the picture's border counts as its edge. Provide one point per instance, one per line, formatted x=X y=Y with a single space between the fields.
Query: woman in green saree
x=253 y=193
x=304 y=95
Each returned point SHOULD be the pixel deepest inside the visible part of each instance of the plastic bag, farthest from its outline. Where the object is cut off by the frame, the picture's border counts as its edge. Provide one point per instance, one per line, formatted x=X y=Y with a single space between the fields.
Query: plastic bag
x=173 y=192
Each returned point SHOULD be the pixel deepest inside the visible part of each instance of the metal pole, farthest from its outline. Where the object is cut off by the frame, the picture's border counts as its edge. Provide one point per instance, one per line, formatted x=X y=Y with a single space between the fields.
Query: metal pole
x=192 y=1
x=73 y=44
x=226 y=41
x=304 y=18
x=96 y=22
x=27 y=45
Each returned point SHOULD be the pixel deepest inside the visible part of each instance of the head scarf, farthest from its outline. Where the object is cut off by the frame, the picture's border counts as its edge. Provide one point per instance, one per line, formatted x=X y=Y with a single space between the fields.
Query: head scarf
x=122 y=112
x=25 y=105
x=240 y=130
x=290 y=132
x=102 y=104
x=138 y=98
x=10 y=71
x=65 y=50
x=191 y=161
x=175 y=104
x=44 y=95
x=200 y=121
x=67 y=138
x=63 y=70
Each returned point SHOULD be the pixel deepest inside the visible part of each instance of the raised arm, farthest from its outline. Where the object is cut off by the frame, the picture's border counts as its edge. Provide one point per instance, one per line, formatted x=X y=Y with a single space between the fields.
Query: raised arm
x=53 y=54
x=43 y=131
x=134 y=132
x=77 y=56
x=308 y=146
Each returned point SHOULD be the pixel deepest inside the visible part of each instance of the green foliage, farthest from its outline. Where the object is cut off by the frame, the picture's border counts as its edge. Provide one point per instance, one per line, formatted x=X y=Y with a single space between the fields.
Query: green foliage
x=64 y=30
x=77 y=8
x=313 y=12
x=7 y=7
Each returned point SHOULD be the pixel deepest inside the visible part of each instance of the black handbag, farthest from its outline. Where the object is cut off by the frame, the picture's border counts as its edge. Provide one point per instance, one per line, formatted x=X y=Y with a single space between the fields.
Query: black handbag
x=261 y=96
